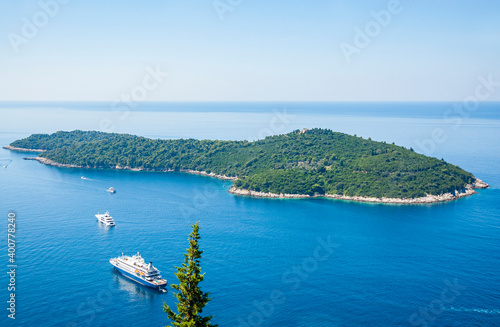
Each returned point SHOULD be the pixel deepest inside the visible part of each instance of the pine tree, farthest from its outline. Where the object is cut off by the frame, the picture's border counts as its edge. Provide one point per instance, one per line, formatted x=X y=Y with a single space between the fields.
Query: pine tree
x=191 y=299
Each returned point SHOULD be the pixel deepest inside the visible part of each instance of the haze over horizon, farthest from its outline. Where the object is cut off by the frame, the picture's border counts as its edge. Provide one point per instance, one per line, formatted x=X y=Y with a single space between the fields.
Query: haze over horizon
x=54 y=50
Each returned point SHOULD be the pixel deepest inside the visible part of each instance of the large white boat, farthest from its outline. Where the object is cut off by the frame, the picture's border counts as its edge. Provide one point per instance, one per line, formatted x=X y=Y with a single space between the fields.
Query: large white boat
x=133 y=267
x=106 y=219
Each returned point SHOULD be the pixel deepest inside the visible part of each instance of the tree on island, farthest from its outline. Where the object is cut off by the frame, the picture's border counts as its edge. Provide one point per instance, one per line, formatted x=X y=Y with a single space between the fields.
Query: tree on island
x=191 y=299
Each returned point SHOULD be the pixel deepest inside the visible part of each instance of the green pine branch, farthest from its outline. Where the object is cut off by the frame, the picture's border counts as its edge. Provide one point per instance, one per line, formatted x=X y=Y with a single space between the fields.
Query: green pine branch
x=190 y=299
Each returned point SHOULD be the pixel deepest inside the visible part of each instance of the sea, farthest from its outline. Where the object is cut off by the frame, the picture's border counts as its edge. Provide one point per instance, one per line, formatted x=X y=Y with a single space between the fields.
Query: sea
x=267 y=262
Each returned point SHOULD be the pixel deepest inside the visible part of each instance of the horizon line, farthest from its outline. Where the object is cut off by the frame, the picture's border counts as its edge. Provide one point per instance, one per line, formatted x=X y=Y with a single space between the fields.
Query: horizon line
x=242 y=101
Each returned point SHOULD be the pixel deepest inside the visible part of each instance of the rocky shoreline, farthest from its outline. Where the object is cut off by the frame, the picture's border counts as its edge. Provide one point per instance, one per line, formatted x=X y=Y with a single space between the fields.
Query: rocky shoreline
x=468 y=190
x=49 y=162
x=13 y=148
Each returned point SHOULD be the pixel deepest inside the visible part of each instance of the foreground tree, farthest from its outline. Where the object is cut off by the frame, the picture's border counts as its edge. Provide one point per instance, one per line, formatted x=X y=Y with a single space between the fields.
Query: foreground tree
x=191 y=299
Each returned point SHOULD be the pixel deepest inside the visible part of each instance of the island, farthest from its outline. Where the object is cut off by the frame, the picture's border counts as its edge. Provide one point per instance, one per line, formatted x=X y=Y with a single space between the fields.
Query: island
x=302 y=164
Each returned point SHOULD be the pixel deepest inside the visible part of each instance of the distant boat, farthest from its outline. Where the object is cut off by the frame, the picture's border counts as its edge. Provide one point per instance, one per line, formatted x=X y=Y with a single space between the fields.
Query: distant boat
x=83 y=177
x=111 y=190
x=7 y=164
x=106 y=219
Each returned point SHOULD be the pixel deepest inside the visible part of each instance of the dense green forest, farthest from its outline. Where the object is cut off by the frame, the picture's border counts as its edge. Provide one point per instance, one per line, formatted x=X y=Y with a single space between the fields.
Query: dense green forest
x=316 y=161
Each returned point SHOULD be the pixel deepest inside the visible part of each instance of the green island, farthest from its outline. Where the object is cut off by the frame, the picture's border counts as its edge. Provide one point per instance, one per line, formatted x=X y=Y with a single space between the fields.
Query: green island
x=303 y=163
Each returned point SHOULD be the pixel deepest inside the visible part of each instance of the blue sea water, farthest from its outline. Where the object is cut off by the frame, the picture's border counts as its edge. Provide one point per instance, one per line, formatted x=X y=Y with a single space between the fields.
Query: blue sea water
x=267 y=262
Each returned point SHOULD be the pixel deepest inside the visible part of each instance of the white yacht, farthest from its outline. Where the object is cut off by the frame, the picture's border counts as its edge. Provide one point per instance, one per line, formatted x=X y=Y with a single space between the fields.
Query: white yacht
x=106 y=219
x=111 y=190
x=135 y=268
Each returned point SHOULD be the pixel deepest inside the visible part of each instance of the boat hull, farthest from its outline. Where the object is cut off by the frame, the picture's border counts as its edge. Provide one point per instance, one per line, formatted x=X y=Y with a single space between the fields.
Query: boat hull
x=139 y=280
x=105 y=223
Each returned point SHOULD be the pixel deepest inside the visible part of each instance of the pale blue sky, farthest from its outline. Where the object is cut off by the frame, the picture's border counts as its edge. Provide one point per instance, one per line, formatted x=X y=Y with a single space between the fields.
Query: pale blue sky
x=263 y=50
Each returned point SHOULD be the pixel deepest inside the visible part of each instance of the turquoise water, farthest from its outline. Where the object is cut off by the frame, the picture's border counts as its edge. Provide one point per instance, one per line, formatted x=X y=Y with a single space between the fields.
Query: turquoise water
x=386 y=265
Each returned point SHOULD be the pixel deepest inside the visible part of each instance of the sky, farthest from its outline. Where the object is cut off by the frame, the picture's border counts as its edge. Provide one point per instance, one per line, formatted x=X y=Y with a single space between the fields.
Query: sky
x=242 y=50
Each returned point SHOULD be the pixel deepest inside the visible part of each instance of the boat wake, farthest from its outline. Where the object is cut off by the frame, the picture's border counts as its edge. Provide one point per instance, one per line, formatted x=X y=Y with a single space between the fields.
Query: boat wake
x=477 y=310
x=5 y=162
x=89 y=179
